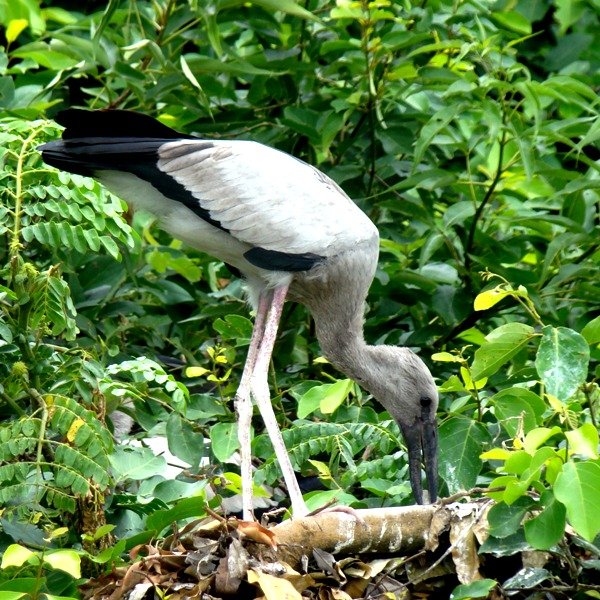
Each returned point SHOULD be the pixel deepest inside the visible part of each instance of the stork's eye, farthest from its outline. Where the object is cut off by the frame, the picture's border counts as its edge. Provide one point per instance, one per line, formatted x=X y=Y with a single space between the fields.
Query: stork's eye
x=425 y=401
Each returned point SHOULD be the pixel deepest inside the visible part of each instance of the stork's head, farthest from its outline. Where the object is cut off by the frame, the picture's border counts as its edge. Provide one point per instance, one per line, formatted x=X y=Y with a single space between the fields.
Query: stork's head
x=402 y=382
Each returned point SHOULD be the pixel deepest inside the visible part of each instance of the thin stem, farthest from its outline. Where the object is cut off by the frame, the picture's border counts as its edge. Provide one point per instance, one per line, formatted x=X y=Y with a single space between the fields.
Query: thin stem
x=590 y=400
x=15 y=244
x=15 y=407
x=372 y=96
x=162 y=26
x=44 y=420
x=488 y=196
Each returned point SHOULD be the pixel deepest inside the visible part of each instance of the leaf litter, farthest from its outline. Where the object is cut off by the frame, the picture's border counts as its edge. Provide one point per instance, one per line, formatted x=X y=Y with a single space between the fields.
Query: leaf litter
x=218 y=559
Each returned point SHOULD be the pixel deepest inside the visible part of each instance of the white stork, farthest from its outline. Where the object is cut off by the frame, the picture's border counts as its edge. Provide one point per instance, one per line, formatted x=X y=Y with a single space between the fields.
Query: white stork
x=291 y=231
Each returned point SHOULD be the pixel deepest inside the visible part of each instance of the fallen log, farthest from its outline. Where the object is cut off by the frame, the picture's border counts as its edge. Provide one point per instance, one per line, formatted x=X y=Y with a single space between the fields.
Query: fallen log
x=395 y=530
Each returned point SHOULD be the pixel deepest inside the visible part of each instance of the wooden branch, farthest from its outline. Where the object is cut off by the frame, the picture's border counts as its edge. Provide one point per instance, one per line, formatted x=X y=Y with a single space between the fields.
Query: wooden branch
x=383 y=530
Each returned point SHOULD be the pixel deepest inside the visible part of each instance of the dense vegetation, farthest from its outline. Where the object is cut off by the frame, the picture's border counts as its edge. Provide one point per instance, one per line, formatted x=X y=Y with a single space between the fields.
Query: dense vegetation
x=467 y=130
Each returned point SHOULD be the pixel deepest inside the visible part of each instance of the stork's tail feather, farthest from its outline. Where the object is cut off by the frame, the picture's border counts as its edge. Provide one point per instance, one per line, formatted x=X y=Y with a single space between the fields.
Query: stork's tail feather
x=82 y=123
x=106 y=139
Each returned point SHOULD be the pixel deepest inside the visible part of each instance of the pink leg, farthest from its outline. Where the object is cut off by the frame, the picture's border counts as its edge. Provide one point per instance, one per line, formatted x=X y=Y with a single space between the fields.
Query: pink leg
x=259 y=385
x=243 y=403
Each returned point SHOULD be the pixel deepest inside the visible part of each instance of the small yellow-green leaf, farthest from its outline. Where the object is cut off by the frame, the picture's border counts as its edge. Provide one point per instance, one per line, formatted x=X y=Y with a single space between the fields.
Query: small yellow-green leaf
x=188 y=73
x=489 y=298
x=495 y=454
x=500 y=482
x=583 y=441
x=320 y=360
x=57 y=533
x=15 y=556
x=65 y=560
x=518 y=462
x=322 y=469
x=9 y=595
x=536 y=437
x=14 y=29
x=196 y=372
x=447 y=357
x=468 y=381
x=336 y=395
x=591 y=332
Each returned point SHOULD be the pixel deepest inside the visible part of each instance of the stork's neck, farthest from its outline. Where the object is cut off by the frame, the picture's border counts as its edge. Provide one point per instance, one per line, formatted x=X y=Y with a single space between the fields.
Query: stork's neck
x=340 y=334
x=337 y=299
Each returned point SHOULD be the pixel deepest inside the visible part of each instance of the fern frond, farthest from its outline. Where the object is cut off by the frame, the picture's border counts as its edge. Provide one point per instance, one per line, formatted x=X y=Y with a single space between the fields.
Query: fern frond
x=341 y=442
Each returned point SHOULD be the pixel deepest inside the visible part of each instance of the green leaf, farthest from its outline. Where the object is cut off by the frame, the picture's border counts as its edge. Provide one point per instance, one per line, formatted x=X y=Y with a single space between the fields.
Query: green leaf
x=327 y=397
x=234 y=327
x=477 y=589
x=136 y=463
x=517 y=408
x=461 y=441
x=562 y=361
x=548 y=527
x=337 y=394
x=65 y=560
x=8 y=595
x=591 y=332
x=436 y=124
x=514 y=21
x=14 y=29
x=506 y=519
x=184 y=509
x=287 y=6
x=526 y=578
x=224 y=440
x=184 y=442
x=15 y=555
x=583 y=441
x=501 y=345
x=578 y=488
x=568 y=12
x=539 y=435
x=51 y=59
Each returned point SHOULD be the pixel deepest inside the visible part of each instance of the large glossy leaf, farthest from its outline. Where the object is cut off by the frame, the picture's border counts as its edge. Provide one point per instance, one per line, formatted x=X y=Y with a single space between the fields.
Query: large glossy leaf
x=184 y=442
x=547 y=528
x=461 y=442
x=562 y=361
x=578 y=488
x=501 y=345
x=224 y=440
x=518 y=408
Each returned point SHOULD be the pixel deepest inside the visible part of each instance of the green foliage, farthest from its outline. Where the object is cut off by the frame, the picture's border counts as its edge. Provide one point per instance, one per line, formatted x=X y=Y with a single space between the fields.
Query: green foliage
x=467 y=131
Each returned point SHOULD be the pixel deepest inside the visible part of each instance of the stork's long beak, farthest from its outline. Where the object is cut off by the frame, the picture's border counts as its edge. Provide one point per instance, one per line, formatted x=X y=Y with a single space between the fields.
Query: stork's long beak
x=422 y=442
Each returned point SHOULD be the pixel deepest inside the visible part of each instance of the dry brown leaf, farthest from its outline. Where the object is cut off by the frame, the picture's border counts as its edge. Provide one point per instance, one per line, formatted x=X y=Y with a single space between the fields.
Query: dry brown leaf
x=256 y=532
x=274 y=588
x=132 y=577
x=329 y=593
x=232 y=569
x=440 y=521
x=464 y=548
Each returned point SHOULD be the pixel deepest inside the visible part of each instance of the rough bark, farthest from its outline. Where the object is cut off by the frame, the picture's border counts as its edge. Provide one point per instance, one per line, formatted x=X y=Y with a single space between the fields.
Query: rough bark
x=400 y=531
